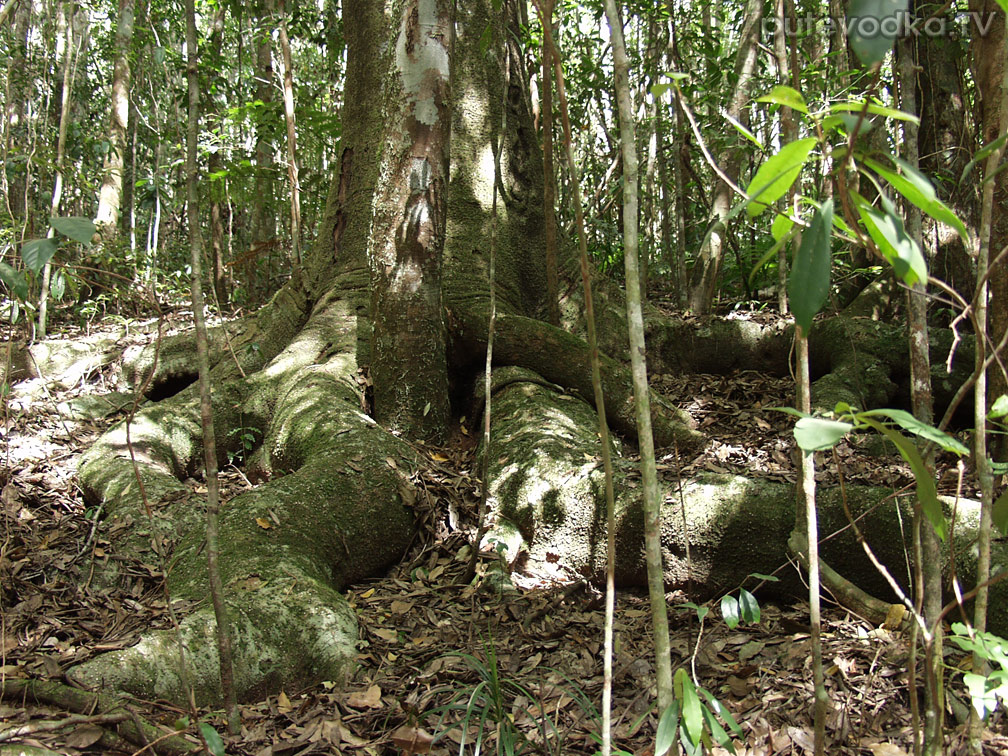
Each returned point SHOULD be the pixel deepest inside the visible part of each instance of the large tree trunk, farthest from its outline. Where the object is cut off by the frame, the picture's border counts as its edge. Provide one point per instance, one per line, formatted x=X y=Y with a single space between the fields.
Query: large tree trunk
x=110 y=197
x=336 y=491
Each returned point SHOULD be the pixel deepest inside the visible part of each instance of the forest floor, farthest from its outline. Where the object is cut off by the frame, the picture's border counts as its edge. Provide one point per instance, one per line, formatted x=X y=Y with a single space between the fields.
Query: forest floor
x=518 y=662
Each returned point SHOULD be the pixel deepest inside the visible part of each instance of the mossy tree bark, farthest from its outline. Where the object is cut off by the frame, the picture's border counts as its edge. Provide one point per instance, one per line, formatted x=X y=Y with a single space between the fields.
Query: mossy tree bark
x=335 y=495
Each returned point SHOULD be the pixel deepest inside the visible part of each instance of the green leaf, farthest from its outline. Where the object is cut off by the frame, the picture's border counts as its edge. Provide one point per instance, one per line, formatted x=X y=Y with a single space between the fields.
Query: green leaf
x=14 y=281
x=692 y=713
x=730 y=611
x=781 y=226
x=777 y=174
x=808 y=284
x=1000 y=407
x=783 y=95
x=911 y=424
x=750 y=607
x=982 y=692
x=718 y=708
x=668 y=727
x=37 y=252
x=873 y=25
x=856 y=106
x=79 y=229
x=887 y=231
x=717 y=731
x=918 y=190
x=762 y=576
x=57 y=286
x=743 y=130
x=212 y=739
x=815 y=433
x=999 y=512
x=927 y=493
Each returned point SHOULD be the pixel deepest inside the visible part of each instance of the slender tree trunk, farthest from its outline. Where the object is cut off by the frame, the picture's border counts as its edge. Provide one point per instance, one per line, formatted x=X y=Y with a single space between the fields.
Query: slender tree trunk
x=789 y=132
x=64 y=44
x=990 y=69
x=263 y=222
x=292 y=162
x=642 y=407
x=409 y=366
x=707 y=267
x=110 y=196
x=549 y=181
x=923 y=409
x=15 y=128
x=989 y=66
x=218 y=270
x=203 y=366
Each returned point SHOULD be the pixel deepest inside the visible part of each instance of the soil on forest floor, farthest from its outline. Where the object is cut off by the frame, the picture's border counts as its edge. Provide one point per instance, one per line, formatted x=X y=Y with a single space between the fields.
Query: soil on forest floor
x=519 y=658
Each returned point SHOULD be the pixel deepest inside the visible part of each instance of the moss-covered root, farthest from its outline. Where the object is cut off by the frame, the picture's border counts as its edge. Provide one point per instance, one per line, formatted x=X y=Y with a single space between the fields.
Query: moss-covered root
x=545 y=480
x=286 y=632
x=564 y=359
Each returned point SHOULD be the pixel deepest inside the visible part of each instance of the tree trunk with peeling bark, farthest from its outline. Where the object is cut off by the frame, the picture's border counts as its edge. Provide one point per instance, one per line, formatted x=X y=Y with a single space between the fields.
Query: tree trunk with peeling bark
x=110 y=196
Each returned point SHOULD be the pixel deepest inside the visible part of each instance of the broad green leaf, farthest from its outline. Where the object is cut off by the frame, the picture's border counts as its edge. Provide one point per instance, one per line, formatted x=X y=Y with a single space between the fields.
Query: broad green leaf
x=781 y=226
x=750 y=607
x=1004 y=5
x=856 y=106
x=213 y=741
x=887 y=231
x=730 y=611
x=783 y=95
x=741 y=127
x=692 y=714
x=668 y=728
x=57 y=286
x=777 y=174
x=918 y=189
x=808 y=284
x=982 y=693
x=815 y=433
x=849 y=121
x=718 y=708
x=79 y=229
x=37 y=252
x=657 y=90
x=927 y=493
x=762 y=576
x=911 y=424
x=999 y=408
x=14 y=280
x=982 y=154
x=999 y=512
x=717 y=731
x=873 y=25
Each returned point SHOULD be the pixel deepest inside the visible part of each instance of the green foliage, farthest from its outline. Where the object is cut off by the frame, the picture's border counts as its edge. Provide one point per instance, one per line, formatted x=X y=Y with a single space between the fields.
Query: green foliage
x=487 y=706
x=874 y=26
x=694 y=720
x=817 y=433
x=984 y=690
x=808 y=286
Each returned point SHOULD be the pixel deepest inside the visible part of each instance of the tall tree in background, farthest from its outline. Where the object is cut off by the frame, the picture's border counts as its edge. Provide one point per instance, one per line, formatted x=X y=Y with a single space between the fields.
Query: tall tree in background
x=110 y=196
x=988 y=72
x=14 y=112
x=706 y=269
x=263 y=220
x=64 y=50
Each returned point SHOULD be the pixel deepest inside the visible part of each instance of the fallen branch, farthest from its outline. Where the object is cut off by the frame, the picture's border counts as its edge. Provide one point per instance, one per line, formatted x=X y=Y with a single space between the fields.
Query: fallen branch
x=97 y=708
